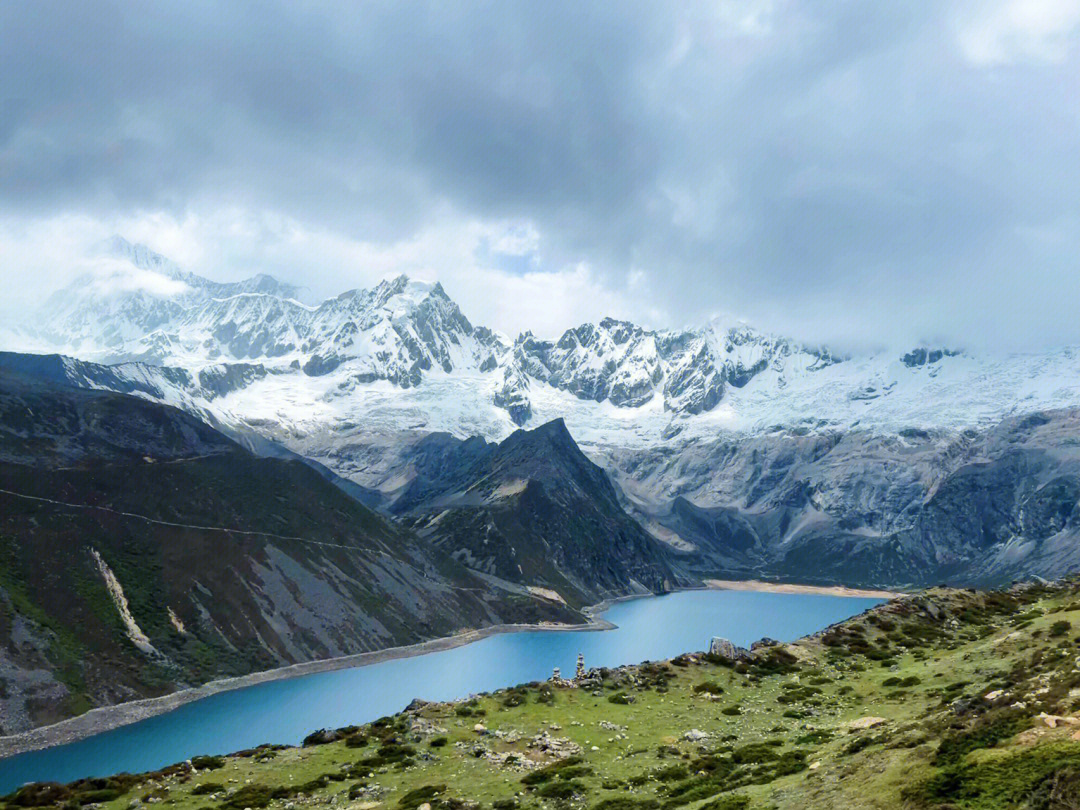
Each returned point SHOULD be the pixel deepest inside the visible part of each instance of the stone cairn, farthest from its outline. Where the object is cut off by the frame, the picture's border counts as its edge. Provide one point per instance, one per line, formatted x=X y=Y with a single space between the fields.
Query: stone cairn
x=580 y=674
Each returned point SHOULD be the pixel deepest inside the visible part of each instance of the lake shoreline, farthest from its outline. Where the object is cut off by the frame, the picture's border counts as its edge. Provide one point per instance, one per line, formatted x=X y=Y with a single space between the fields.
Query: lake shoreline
x=785 y=587
x=107 y=718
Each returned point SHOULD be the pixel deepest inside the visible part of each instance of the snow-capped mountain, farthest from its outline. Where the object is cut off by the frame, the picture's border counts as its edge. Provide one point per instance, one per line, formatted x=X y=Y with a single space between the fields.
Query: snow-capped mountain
x=146 y=309
x=626 y=365
x=403 y=357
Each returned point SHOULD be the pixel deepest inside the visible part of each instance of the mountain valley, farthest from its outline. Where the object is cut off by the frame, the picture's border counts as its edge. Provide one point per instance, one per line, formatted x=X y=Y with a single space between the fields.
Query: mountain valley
x=312 y=481
x=742 y=454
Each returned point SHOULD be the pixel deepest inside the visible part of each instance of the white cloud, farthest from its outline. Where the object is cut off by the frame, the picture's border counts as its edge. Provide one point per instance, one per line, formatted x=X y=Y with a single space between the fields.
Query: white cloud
x=231 y=243
x=517 y=240
x=109 y=276
x=826 y=169
x=1011 y=31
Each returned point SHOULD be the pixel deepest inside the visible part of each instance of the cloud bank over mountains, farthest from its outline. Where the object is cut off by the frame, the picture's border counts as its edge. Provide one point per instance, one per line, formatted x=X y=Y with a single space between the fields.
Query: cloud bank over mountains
x=844 y=172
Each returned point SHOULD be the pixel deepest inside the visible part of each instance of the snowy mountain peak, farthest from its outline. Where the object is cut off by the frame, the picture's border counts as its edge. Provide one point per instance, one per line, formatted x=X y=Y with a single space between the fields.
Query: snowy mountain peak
x=402 y=354
x=403 y=331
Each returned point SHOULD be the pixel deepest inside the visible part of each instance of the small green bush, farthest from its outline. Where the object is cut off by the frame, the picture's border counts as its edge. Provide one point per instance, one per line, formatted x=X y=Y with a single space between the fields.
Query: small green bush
x=421 y=795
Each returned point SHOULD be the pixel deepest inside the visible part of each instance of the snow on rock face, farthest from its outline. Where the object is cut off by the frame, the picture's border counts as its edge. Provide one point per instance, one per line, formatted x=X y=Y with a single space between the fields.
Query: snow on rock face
x=403 y=357
x=626 y=365
x=615 y=361
x=398 y=331
x=401 y=331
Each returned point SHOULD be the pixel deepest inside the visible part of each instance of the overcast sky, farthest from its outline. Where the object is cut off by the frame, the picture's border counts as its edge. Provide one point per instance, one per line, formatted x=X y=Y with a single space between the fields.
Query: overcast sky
x=850 y=172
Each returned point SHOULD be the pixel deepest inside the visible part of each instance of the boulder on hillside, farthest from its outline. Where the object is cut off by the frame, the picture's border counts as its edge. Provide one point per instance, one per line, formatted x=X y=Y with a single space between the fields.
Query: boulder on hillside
x=726 y=649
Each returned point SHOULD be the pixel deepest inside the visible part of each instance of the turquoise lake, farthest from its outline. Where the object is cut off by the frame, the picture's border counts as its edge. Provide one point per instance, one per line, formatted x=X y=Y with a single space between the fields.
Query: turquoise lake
x=286 y=711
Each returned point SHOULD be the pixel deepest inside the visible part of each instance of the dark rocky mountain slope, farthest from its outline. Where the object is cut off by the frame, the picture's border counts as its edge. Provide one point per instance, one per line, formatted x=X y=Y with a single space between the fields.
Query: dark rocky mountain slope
x=532 y=509
x=142 y=551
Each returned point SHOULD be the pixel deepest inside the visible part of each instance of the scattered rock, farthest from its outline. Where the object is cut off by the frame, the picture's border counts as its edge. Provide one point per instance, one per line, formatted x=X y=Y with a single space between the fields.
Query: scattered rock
x=866 y=722
x=1054 y=720
x=609 y=726
x=425 y=727
x=322 y=737
x=558 y=747
x=695 y=735
x=962 y=706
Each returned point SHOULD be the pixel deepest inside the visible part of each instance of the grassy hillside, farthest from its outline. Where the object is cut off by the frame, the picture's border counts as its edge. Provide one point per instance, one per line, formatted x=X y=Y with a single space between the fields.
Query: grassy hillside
x=937 y=700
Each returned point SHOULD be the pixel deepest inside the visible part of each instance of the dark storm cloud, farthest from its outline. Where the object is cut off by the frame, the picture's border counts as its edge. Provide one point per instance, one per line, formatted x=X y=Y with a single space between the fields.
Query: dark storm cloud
x=849 y=170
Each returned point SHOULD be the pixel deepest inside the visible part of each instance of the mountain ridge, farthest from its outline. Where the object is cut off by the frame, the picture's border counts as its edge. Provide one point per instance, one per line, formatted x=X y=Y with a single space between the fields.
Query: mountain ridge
x=532 y=509
x=614 y=381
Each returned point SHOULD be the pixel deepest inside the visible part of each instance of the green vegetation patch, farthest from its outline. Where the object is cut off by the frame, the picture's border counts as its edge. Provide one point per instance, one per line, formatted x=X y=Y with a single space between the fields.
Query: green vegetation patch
x=1040 y=777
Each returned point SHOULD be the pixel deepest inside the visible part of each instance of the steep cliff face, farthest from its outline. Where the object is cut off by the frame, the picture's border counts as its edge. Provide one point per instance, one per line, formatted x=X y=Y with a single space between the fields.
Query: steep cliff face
x=142 y=551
